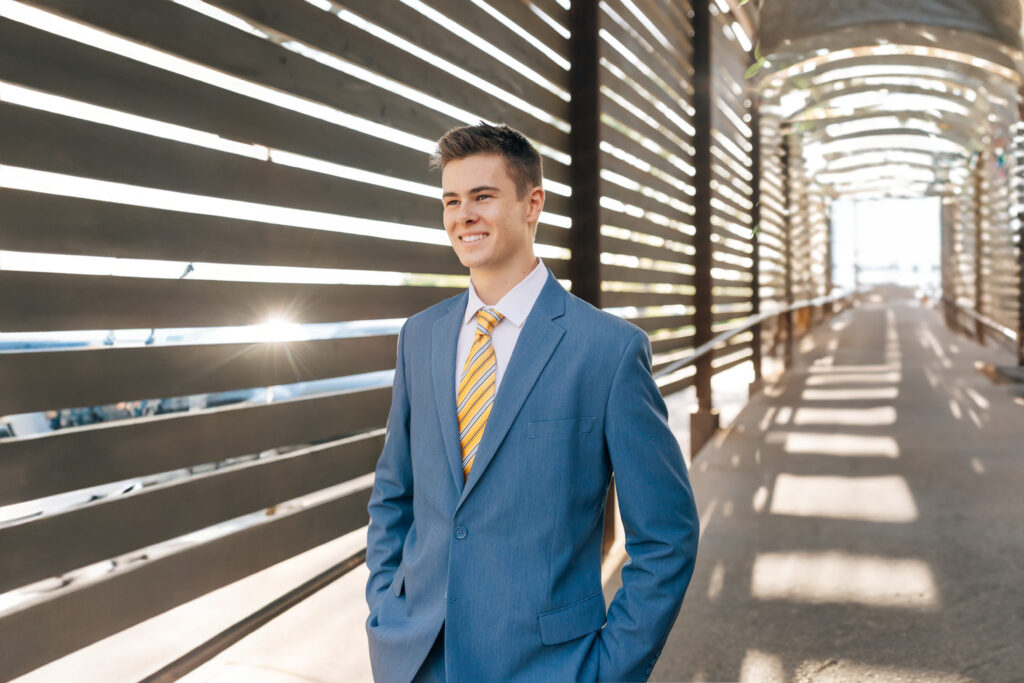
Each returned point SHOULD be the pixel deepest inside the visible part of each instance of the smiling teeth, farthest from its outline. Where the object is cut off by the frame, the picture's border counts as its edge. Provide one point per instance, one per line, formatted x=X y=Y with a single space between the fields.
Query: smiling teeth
x=473 y=238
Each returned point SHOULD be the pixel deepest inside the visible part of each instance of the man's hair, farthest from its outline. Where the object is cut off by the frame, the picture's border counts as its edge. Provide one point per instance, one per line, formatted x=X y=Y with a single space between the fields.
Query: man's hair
x=521 y=158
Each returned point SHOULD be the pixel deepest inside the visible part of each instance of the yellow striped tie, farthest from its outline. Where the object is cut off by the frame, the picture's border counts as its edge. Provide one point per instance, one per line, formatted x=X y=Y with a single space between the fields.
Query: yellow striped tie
x=476 y=389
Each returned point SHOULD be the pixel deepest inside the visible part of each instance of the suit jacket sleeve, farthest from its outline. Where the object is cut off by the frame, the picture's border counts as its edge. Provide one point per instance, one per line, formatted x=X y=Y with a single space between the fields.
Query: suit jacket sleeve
x=659 y=516
x=390 y=503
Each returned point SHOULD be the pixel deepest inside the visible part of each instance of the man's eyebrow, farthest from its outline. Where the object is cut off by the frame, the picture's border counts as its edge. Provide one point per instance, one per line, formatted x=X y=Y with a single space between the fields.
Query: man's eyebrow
x=473 y=191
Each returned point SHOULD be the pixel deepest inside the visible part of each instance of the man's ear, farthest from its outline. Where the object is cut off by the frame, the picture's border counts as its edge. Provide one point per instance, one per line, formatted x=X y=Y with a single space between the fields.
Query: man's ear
x=536 y=204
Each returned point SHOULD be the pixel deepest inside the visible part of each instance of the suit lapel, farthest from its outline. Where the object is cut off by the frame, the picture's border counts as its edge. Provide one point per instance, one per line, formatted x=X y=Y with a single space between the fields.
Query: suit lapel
x=536 y=343
x=444 y=340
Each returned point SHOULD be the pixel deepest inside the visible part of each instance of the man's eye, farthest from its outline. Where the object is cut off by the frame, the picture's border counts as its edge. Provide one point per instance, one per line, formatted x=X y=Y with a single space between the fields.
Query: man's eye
x=483 y=196
x=451 y=202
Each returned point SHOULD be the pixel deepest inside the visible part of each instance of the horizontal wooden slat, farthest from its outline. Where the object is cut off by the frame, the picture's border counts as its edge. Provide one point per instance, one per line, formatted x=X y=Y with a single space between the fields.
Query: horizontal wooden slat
x=48 y=630
x=300 y=20
x=615 y=299
x=635 y=198
x=677 y=96
x=71 y=459
x=36 y=222
x=622 y=141
x=658 y=129
x=54 y=544
x=614 y=245
x=473 y=19
x=661 y=322
x=175 y=29
x=37 y=302
x=49 y=142
x=677 y=385
x=670 y=69
x=58 y=65
x=552 y=8
x=671 y=19
x=648 y=179
x=647 y=226
x=44 y=380
x=672 y=344
x=627 y=274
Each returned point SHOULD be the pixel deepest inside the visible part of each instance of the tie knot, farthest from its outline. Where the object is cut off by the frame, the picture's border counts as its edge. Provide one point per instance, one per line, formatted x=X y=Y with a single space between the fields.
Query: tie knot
x=487 y=319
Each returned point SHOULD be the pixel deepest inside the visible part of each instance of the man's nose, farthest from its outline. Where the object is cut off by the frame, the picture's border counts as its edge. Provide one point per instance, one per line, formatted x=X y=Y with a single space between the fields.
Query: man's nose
x=466 y=215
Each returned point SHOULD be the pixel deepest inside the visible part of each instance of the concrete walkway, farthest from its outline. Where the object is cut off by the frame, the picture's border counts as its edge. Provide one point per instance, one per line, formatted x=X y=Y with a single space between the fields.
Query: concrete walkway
x=864 y=519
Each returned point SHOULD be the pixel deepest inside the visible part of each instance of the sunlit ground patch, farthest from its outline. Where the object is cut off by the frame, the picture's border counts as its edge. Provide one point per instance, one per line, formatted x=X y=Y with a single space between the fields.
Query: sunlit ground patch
x=843 y=445
x=859 y=417
x=870 y=499
x=841 y=578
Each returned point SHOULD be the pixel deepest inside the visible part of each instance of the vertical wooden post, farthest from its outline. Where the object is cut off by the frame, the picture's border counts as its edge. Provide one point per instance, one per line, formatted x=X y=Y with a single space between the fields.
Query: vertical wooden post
x=787 y=317
x=828 y=309
x=585 y=177
x=704 y=421
x=946 y=259
x=979 y=246
x=584 y=141
x=755 y=230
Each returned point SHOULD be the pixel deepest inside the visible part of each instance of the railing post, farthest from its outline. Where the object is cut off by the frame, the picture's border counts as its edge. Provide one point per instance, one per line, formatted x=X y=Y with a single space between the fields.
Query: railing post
x=704 y=421
x=755 y=229
x=585 y=173
x=787 y=317
x=979 y=246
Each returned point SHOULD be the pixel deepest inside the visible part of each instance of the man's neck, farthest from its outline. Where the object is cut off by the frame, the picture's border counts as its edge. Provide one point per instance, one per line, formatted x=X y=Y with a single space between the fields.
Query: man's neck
x=492 y=286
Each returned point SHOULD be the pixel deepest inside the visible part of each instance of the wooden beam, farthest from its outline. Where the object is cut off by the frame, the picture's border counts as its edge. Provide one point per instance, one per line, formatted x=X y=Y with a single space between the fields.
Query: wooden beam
x=703 y=422
x=755 y=229
x=979 y=246
x=787 y=318
x=584 y=147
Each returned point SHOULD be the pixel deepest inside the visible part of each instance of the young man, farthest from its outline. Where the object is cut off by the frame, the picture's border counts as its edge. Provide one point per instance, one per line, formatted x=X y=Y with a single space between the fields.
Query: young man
x=513 y=403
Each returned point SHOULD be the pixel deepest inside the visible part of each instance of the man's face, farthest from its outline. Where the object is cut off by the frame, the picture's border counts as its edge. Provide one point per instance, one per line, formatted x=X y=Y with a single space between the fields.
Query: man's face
x=490 y=227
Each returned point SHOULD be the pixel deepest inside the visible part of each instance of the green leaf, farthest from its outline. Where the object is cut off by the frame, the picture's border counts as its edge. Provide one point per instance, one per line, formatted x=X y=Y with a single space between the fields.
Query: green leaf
x=754 y=68
x=756 y=229
x=743 y=2
x=757 y=52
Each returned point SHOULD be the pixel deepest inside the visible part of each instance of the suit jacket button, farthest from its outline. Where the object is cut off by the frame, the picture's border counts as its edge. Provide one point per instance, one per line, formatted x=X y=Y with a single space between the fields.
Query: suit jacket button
x=460 y=532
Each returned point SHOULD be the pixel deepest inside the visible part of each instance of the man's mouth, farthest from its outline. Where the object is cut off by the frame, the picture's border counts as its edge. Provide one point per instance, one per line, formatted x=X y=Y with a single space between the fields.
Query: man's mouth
x=474 y=238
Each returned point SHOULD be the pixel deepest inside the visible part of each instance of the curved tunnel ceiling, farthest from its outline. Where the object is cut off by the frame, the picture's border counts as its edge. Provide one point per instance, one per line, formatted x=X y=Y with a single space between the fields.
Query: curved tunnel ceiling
x=866 y=85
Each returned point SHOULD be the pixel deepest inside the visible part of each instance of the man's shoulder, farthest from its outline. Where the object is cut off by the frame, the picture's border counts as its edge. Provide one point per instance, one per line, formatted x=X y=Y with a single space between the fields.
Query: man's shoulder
x=602 y=326
x=425 y=319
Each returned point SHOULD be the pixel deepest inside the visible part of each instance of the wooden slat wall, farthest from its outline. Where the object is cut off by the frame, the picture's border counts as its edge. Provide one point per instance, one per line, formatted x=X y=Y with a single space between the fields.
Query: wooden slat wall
x=646 y=92
x=772 y=242
x=963 y=242
x=308 y=444
x=291 y=78
x=732 y=198
x=1001 y=291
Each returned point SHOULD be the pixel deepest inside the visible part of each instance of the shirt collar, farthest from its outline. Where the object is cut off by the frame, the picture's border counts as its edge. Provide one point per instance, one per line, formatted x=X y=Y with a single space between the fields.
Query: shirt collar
x=516 y=303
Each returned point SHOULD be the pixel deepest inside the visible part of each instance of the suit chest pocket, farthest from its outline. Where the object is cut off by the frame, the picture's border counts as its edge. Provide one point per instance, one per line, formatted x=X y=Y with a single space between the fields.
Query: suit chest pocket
x=552 y=429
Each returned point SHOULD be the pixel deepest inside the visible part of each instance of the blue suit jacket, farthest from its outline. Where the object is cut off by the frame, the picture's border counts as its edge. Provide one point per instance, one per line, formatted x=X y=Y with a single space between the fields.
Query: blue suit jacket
x=510 y=561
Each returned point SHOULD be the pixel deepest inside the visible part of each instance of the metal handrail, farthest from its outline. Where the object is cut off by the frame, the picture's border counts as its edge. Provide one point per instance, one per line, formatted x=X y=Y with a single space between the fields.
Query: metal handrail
x=988 y=322
x=748 y=323
x=193 y=659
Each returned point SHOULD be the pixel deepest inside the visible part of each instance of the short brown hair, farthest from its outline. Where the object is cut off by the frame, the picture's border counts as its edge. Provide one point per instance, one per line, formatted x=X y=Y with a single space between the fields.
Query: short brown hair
x=521 y=158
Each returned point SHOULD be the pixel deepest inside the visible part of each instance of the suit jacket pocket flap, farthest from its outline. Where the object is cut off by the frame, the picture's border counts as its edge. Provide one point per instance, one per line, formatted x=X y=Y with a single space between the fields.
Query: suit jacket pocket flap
x=399 y=580
x=567 y=623
x=546 y=429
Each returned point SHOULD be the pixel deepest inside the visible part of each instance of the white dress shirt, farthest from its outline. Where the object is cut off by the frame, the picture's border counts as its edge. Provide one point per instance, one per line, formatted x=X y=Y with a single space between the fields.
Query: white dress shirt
x=514 y=306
